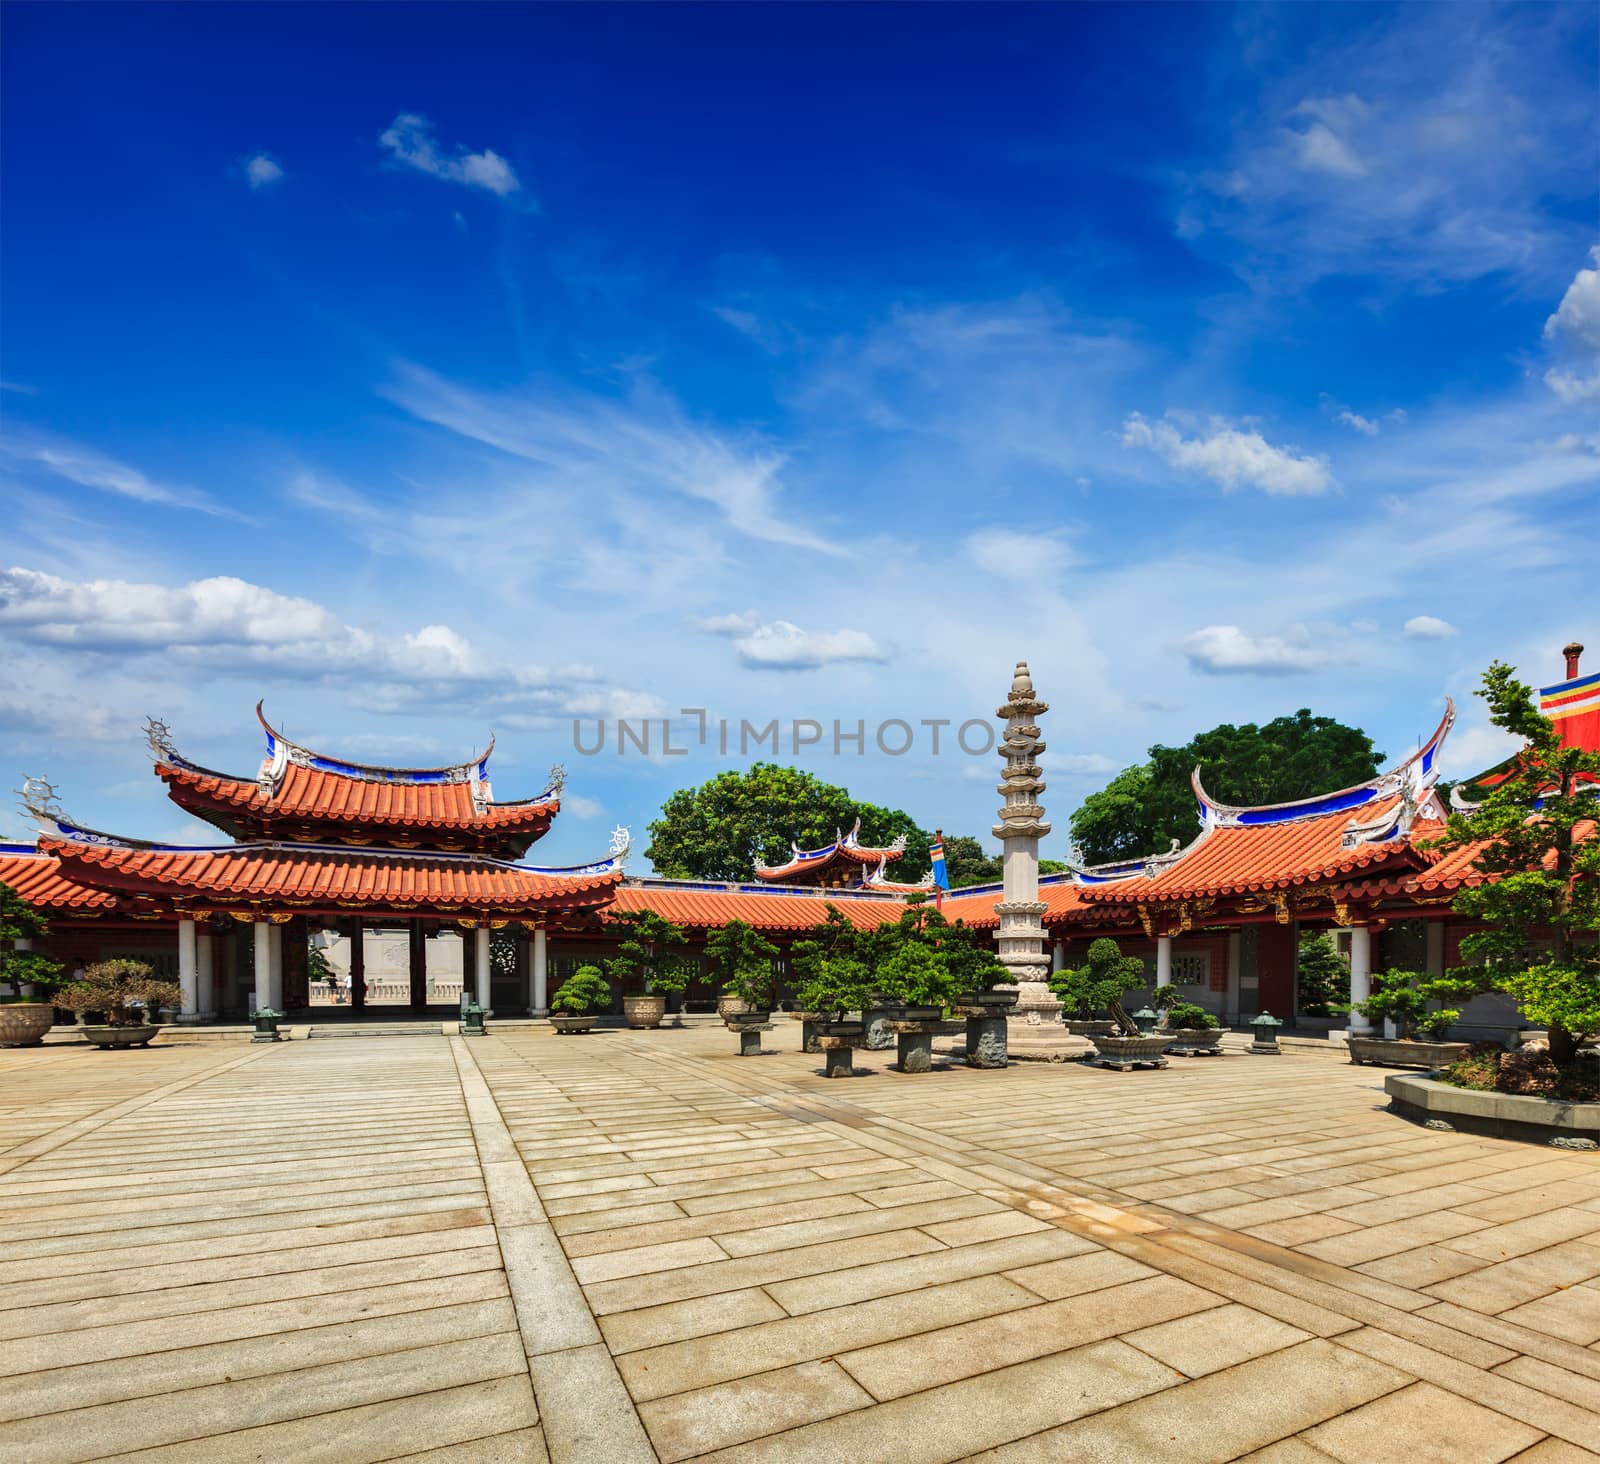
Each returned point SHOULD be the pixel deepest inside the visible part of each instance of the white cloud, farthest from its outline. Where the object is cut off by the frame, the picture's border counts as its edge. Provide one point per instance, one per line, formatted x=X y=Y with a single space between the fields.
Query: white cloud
x=781 y=645
x=91 y=469
x=1469 y=751
x=409 y=141
x=638 y=447
x=261 y=171
x=1226 y=650
x=229 y=626
x=1357 y=423
x=1577 y=318
x=1232 y=457
x=1429 y=627
x=1323 y=151
x=1573 y=388
x=1005 y=551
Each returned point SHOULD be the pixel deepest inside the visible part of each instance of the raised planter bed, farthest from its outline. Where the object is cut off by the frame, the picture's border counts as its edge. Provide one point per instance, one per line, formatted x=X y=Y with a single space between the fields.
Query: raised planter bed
x=120 y=1036
x=1382 y=1052
x=24 y=1023
x=1195 y=1041
x=644 y=1013
x=573 y=1024
x=1131 y=1052
x=1498 y=1115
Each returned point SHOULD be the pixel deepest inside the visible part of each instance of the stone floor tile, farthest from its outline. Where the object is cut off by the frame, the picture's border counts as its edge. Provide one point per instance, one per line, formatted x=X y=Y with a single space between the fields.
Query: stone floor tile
x=1422 y=1424
x=1423 y=1267
x=1535 y=1232
x=1209 y=1340
x=1497 y=1288
x=1244 y=1408
x=1079 y=1274
x=1555 y=1451
x=731 y=1413
x=1573 y=1313
x=1372 y=1242
x=520 y=1446
x=1556 y=1381
x=584 y=1409
x=1299 y=1229
x=948 y=1354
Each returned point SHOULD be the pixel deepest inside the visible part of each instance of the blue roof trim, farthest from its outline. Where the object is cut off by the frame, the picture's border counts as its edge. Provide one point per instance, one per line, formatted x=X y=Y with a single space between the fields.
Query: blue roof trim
x=22 y=849
x=1312 y=808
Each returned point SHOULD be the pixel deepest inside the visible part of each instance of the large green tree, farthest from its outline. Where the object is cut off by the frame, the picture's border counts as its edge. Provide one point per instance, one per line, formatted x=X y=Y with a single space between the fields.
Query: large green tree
x=720 y=829
x=1146 y=806
x=1540 y=899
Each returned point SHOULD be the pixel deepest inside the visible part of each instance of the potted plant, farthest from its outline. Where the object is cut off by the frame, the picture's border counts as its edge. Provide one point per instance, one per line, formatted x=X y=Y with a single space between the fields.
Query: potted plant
x=1086 y=991
x=125 y=996
x=24 y=1017
x=1109 y=976
x=583 y=996
x=1191 y=1029
x=832 y=979
x=645 y=955
x=976 y=976
x=1406 y=998
x=744 y=957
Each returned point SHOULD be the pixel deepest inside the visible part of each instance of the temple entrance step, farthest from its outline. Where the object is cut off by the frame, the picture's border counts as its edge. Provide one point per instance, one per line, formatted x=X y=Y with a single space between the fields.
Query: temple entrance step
x=377 y=1029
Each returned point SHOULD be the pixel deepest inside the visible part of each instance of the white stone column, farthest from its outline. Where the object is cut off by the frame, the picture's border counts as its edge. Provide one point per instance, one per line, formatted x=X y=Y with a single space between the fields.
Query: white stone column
x=480 y=956
x=1360 y=976
x=205 y=976
x=263 y=963
x=1235 y=962
x=275 y=966
x=188 y=971
x=1058 y=955
x=541 y=975
x=1163 y=960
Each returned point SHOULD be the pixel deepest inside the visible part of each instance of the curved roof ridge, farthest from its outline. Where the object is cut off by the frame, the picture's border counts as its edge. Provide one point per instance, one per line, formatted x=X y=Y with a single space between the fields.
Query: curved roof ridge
x=1421 y=765
x=460 y=772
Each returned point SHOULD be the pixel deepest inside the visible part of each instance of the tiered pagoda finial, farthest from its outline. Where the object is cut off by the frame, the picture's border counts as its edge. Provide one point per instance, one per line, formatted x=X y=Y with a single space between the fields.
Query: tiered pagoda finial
x=1021 y=933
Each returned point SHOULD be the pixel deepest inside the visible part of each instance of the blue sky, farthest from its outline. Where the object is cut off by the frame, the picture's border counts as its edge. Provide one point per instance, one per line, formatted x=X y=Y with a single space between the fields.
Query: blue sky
x=431 y=369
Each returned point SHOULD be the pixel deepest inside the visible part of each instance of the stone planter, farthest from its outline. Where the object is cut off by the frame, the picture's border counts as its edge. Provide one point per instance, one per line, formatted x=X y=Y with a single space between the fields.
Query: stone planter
x=584 y=1023
x=810 y=1029
x=746 y=1017
x=644 y=1013
x=922 y=1013
x=1195 y=1041
x=1080 y=1027
x=1381 y=1052
x=854 y=1031
x=24 y=1023
x=1131 y=1052
x=1497 y=1115
x=727 y=1005
x=141 y=1036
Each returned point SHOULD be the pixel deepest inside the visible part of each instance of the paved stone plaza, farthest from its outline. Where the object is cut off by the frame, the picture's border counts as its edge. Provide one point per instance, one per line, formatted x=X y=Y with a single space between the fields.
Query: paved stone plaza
x=638 y=1246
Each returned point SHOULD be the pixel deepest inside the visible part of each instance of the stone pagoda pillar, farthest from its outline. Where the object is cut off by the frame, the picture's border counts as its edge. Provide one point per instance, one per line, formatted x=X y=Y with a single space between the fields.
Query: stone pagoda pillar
x=1021 y=933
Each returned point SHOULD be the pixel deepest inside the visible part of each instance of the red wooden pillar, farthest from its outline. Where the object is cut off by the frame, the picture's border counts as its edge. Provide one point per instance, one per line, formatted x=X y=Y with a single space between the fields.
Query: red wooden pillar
x=358 y=965
x=419 y=965
x=1277 y=954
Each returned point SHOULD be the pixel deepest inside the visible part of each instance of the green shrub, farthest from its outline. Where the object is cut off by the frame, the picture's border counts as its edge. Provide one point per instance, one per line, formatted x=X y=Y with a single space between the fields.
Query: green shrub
x=744 y=958
x=1405 y=998
x=1100 y=985
x=582 y=994
x=1184 y=1014
x=645 y=953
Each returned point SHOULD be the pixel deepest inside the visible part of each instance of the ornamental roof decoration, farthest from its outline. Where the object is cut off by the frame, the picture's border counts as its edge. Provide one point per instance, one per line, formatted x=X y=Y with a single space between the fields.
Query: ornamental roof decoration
x=877 y=881
x=303 y=794
x=846 y=850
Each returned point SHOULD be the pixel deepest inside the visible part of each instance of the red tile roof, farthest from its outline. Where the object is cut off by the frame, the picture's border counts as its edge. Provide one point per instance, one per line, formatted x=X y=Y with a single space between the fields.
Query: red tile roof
x=313 y=875
x=1240 y=859
x=774 y=912
x=39 y=880
x=1063 y=901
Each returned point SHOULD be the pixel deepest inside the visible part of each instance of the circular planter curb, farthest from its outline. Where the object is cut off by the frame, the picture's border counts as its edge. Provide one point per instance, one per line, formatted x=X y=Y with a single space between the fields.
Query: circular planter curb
x=25 y=1023
x=1496 y=1115
x=120 y=1036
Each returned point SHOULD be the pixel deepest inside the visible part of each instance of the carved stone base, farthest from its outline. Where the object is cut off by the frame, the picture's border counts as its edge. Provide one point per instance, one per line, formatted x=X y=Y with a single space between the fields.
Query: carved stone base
x=1036 y=1005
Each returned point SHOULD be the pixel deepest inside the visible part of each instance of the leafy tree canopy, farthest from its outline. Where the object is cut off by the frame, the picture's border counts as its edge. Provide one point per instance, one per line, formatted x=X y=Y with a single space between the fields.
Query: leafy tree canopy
x=719 y=830
x=646 y=950
x=1541 y=899
x=20 y=921
x=1147 y=806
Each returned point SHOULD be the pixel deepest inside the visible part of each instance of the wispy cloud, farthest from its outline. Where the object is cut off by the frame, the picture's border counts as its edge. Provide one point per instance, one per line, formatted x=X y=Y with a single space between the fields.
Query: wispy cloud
x=410 y=142
x=781 y=645
x=642 y=445
x=1429 y=627
x=1231 y=456
x=89 y=468
x=261 y=170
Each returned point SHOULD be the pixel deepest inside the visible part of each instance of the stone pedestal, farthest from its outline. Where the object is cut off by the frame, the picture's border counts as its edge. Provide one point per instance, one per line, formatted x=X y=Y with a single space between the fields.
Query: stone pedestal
x=986 y=1041
x=750 y=1040
x=916 y=1050
x=839 y=1055
x=879 y=1038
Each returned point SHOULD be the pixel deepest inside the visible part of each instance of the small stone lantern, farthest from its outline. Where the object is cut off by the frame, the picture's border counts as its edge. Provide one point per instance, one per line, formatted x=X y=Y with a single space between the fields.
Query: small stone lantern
x=1266 y=1034
x=1145 y=1020
x=472 y=1021
x=266 y=1021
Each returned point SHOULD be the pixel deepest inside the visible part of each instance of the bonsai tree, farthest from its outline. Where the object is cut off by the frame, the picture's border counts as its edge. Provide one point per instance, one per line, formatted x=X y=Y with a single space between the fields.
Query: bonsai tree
x=582 y=994
x=1322 y=976
x=1404 y=998
x=1101 y=983
x=917 y=974
x=125 y=993
x=832 y=976
x=1164 y=999
x=744 y=957
x=1539 y=859
x=20 y=921
x=645 y=952
x=969 y=956
x=1185 y=1015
